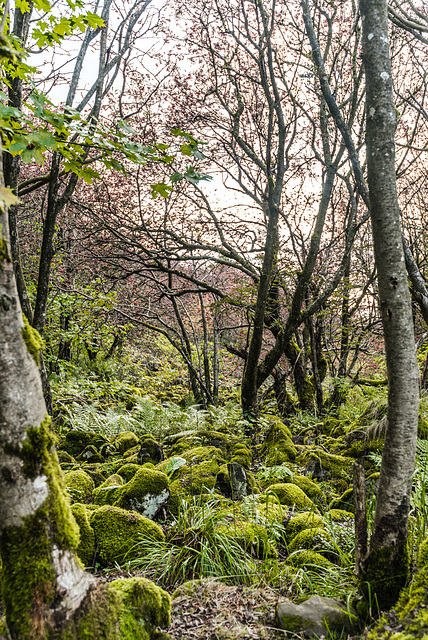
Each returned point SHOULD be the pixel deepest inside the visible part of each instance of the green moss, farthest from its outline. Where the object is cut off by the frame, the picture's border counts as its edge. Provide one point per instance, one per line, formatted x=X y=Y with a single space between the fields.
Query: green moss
x=27 y=549
x=308 y=558
x=315 y=538
x=76 y=441
x=291 y=495
x=79 y=485
x=108 y=491
x=336 y=515
x=86 y=548
x=117 y=531
x=302 y=521
x=385 y=575
x=128 y=471
x=345 y=502
x=423 y=554
x=4 y=250
x=242 y=455
x=145 y=601
x=199 y=478
x=146 y=492
x=32 y=339
x=126 y=440
x=324 y=465
x=277 y=447
x=197 y=455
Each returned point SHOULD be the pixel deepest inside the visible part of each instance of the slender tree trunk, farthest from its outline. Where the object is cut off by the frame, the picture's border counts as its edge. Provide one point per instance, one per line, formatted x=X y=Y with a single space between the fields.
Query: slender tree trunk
x=249 y=386
x=387 y=563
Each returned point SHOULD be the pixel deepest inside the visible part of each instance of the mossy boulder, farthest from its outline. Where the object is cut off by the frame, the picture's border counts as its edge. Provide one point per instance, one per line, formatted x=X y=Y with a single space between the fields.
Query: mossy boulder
x=345 y=502
x=317 y=617
x=127 y=471
x=146 y=492
x=339 y=515
x=322 y=465
x=108 y=491
x=86 y=548
x=291 y=495
x=228 y=444
x=242 y=455
x=126 y=440
x=314 y=538
x=144 y=603
x=197 y=455
x=76 y=442
x=150 y=451
x=79 y=485
x=233 y=482
x=303 y=521
x=311 y=488
x=65 y=457
x=277 y=447
x=198 y=478
x=309 y=558
x=117 y=531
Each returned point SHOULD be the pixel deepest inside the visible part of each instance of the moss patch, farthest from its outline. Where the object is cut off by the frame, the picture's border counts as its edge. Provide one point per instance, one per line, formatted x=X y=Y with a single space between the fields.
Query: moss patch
x=86 y=548
x=291 y=495
x=79 y=485
x=32 y=339
x=117 y=531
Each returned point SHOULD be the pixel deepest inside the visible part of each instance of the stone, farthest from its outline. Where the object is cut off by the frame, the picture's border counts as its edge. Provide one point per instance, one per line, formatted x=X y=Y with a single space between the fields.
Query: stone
x=316 y=617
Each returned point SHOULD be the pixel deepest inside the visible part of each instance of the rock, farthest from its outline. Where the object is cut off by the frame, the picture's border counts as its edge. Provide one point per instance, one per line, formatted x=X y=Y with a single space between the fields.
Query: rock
x=150 y=451
x=76 y=442
x=86 y=548
x=277 y=447
x=126 y=440
x=291 y=495
x=316 y=617
x=79 y=485
x=232 y=481
x=108 y=491
x=118 y=531
x=127 y=471
x=145 y=493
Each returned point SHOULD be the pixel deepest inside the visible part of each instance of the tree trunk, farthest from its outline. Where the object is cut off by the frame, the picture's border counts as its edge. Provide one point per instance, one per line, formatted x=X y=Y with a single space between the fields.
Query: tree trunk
x=387 y=563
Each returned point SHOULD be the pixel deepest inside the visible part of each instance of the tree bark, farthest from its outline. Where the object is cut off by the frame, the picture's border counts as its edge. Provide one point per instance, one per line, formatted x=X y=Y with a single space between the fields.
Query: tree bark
x=387 y=563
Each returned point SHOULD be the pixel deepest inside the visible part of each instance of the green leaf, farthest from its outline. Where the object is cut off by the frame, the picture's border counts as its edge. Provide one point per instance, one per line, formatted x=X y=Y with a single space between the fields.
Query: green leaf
x=7 y=198
x=160 y=189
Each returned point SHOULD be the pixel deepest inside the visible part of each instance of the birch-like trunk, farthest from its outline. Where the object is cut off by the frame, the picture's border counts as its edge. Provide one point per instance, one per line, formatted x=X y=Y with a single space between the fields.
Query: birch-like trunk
x=387 y=563
x=43 y=583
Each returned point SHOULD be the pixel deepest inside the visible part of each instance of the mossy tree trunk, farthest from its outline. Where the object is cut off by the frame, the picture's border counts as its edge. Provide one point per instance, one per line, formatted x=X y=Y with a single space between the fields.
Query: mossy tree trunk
x=387 y=563
x=43 y=582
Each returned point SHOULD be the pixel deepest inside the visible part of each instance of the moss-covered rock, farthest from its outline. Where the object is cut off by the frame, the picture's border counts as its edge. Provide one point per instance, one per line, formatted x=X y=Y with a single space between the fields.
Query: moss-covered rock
x=242 y=455
x=315 y=538
x=197 y=455
x=127 y=471
x=147 y=603
x=126 y=440
x=63 y=456
x=76 y=442
x=291 y=495
x=146 y=492
x=108 y=491
x=345 y=502
x=322 y=465
x=277 y=447
x=308 y=558
x=303 y=521
x=86 y=548
x=338 y=515
x=79 y=485
x=117 y=532
x=150 y=450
